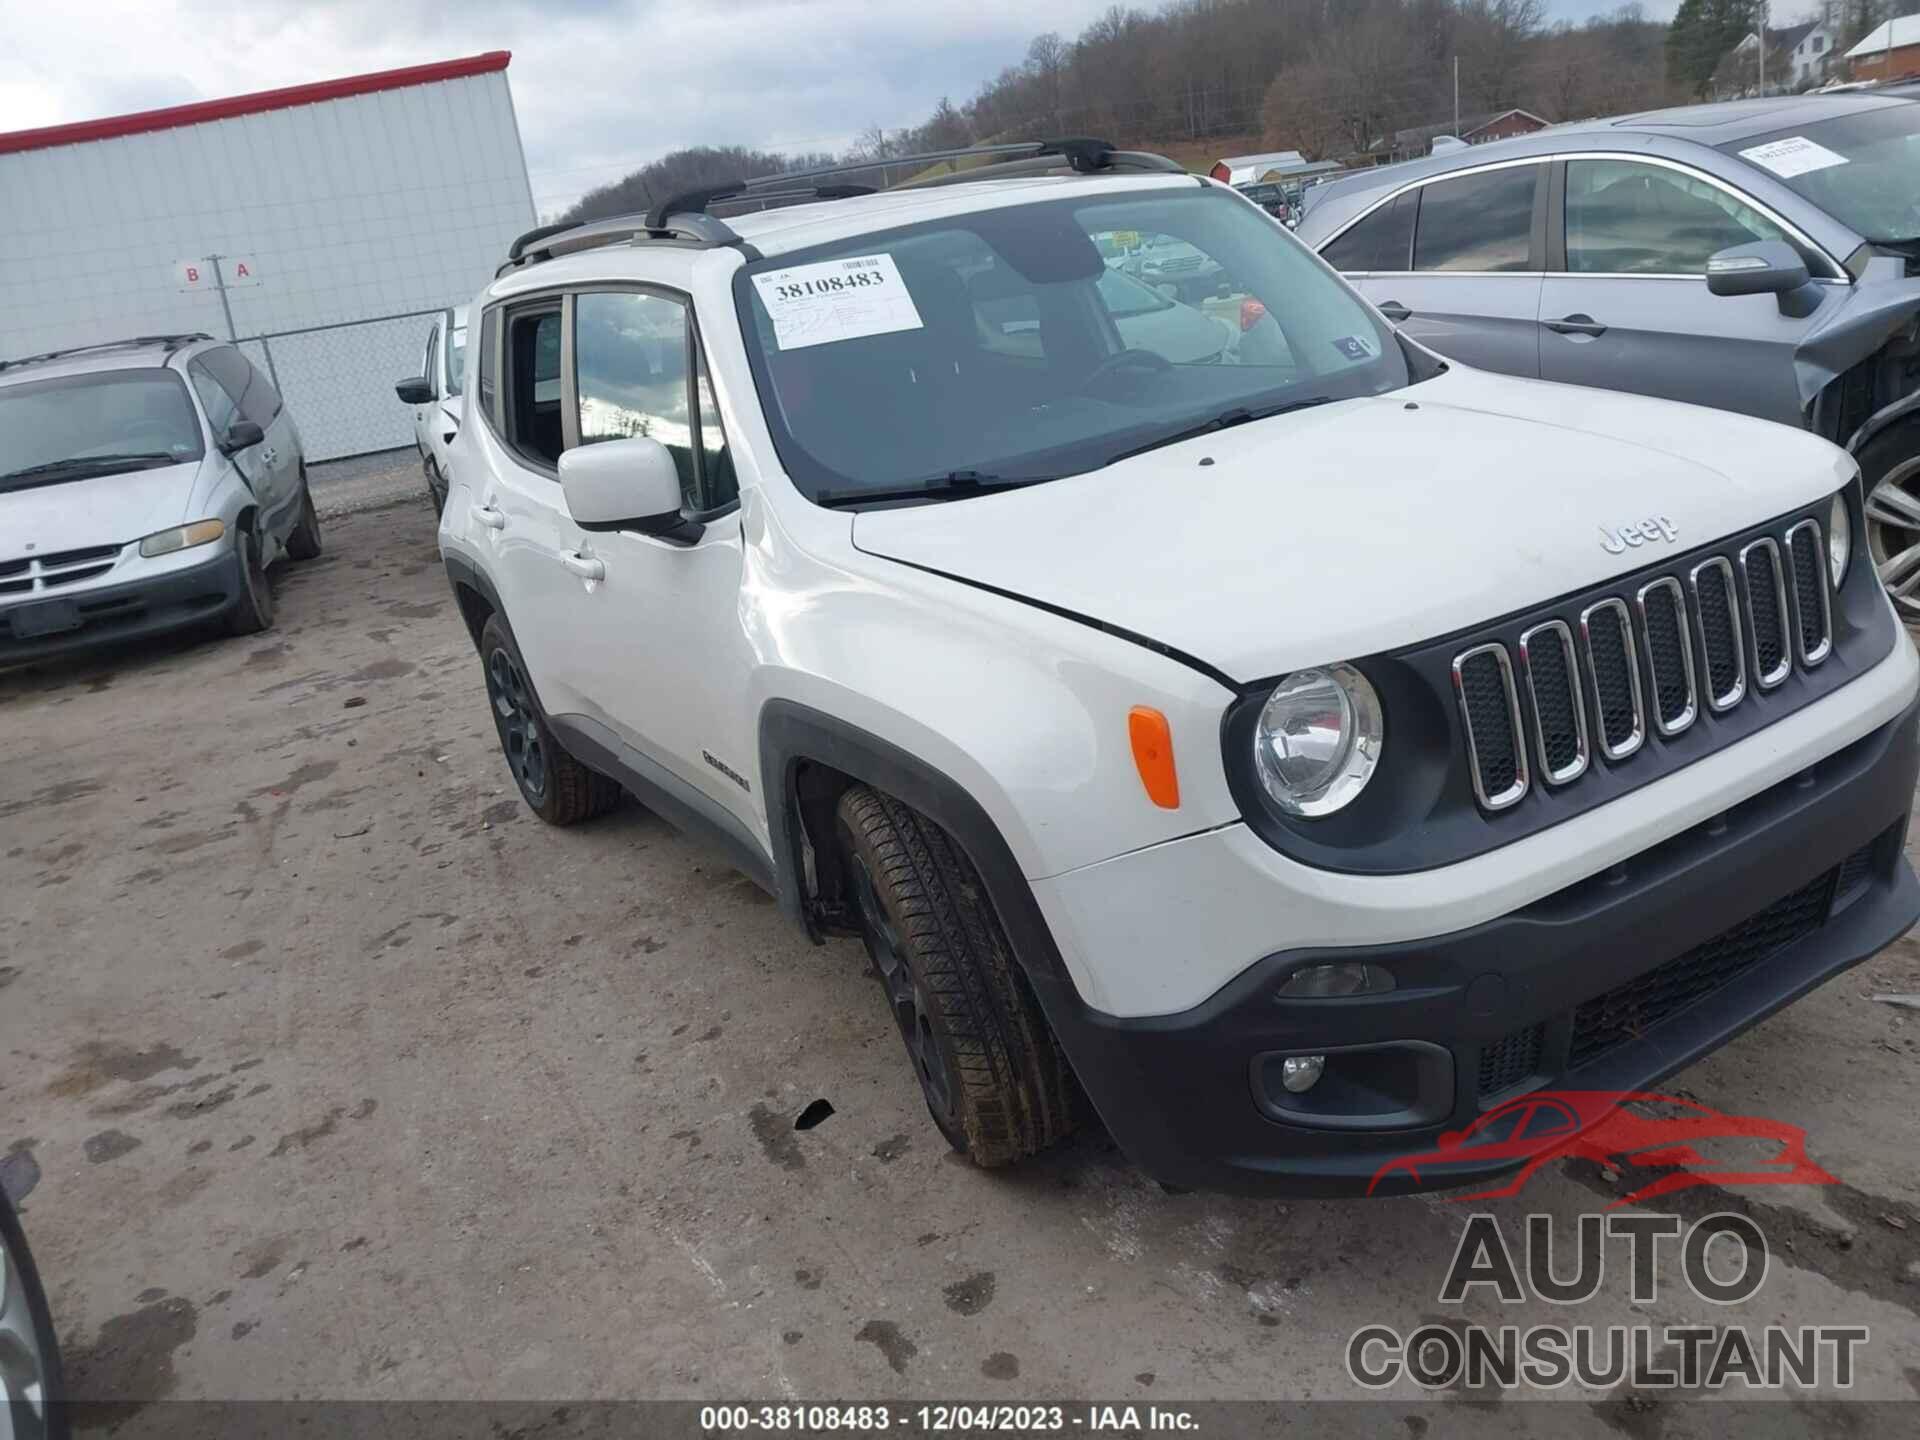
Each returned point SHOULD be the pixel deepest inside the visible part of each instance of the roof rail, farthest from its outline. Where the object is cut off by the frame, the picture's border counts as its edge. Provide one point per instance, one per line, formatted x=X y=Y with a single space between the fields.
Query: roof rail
x=132 y=342
x=684 y=217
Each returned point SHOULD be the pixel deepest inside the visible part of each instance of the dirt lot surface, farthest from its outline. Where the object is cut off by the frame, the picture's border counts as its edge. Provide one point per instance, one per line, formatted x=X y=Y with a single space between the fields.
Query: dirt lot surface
x=331 y=1072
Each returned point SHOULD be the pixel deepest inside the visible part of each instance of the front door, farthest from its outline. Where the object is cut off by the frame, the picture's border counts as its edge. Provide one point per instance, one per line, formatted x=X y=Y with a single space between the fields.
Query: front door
x=1473 y=292
x=1631 y=310
x=663 y=659
x=517 y=502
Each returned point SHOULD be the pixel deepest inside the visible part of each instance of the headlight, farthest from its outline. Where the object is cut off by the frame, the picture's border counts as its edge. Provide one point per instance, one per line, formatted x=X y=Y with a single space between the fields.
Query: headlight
x=1317 y=741
x=1839 y=539
x=183 y=537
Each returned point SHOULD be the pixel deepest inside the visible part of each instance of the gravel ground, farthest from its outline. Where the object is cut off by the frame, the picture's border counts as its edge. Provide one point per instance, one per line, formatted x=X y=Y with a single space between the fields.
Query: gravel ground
x=367 y=482
x=331 y=1072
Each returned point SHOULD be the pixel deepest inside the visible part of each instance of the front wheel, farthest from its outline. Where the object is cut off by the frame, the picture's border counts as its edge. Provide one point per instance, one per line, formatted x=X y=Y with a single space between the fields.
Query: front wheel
x=304 y=542
x=992 y=1074
x=436 y=485
x=1890 y=473
x=252 y=609
x=556 y=787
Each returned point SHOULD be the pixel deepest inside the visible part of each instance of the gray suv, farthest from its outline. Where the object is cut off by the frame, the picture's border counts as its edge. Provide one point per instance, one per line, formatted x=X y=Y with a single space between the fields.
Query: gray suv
x=1760 y=256
x=145 y=485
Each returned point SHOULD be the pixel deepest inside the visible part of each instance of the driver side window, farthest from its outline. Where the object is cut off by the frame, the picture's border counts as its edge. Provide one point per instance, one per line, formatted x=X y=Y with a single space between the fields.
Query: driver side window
x=214 y=399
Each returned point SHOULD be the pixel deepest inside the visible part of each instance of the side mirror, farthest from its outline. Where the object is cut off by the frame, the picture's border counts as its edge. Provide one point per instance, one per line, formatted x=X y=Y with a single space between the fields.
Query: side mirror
x=625 y=485
x=241 y=434
x=416 y=391
x=1765 y=267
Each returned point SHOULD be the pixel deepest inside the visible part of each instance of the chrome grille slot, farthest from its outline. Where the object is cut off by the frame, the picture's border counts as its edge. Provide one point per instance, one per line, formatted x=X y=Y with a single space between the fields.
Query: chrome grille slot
x=1812 y=615
x=1766 y=595
x=1490 y=709
x=1558 y=710
x=1663 y=630
x=61 y=567
x=1613 y=669
x=1716 y=604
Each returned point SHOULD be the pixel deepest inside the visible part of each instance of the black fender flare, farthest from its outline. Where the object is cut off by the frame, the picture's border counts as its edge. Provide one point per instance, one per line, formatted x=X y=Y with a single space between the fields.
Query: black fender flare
x=792 y=734
x=461 y=571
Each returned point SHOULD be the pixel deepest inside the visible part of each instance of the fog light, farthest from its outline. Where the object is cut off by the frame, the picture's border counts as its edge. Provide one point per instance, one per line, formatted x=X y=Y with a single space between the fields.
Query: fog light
x=1299 y=1073
x=1344 y=977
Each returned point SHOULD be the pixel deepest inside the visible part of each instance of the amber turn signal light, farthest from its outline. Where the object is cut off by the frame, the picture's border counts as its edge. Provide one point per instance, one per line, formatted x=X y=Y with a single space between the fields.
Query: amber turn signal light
x=1152 y=741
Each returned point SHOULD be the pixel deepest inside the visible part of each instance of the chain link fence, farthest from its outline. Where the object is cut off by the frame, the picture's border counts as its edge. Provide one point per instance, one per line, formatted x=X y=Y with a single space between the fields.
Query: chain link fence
x=338 y=380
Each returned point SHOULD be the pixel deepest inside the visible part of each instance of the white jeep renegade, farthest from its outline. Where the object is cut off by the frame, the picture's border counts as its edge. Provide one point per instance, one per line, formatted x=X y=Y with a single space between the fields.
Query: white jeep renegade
x=1293 y=748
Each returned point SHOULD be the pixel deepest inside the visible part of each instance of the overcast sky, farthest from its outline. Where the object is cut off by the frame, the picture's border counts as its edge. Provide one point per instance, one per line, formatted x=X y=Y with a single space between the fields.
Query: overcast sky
x=600 y=86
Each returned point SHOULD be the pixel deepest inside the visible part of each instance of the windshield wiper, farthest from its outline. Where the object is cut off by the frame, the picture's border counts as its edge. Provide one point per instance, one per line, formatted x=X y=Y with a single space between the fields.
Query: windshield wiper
x=954 y=485
x=90 y=462
x=1225 y=420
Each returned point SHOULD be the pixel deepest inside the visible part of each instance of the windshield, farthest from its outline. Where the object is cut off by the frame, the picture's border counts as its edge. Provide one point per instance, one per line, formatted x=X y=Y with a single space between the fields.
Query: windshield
x=456 y=360
x=78 y=426
x=1863 y=169
x=999 y=346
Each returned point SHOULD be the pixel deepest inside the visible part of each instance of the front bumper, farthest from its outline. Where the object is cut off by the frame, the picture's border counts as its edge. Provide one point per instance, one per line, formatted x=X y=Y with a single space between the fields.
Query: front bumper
x=128 y=611
x=1717 y=927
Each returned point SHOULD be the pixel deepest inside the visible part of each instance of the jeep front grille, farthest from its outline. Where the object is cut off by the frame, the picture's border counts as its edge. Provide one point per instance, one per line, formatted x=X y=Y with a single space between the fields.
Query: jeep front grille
x=1812 y=616
x=1483 y=681
x=1718 y=603
x=1648 y=662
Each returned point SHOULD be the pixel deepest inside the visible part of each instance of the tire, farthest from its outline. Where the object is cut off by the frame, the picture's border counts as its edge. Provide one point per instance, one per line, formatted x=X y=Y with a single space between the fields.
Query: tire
x=990 y=1070
x=436 y=487
x=252 y=609
x=1890 y=477
x=35 y=1319
x=556 y=787
x=304 y=542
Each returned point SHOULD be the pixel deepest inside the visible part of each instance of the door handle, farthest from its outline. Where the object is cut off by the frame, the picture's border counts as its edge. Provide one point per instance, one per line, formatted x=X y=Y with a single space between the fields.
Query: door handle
x=585 y=566
x=1575 y=324
x=491 y=518
x=1395 y=311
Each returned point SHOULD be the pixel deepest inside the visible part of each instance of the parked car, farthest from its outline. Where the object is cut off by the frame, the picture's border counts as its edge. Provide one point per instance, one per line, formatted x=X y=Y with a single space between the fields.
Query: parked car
x=1175 y=268
x=1294 y=756
x=1761 y=256
x=145 y=485
x=434 y=395
x=1269 y=196
x=32 y=1391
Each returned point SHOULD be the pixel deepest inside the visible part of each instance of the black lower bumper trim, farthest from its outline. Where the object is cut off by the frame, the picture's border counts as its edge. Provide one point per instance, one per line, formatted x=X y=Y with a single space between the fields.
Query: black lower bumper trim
x=1507 y=998
x=131 y=611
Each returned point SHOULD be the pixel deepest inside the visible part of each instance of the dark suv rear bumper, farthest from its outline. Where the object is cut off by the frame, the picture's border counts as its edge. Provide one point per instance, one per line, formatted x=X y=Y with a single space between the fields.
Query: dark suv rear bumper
x=1610 y=984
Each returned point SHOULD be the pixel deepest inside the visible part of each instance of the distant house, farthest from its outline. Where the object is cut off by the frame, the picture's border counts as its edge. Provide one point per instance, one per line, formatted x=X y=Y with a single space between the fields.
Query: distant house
x=1479 y=129
x=1797 y=57
x=1274 y=165
x=1889 y=51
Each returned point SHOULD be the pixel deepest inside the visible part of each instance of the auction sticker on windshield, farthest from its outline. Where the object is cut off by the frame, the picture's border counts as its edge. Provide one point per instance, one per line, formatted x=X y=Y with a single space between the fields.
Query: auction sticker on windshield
x=837 y=300
x=1795 y=155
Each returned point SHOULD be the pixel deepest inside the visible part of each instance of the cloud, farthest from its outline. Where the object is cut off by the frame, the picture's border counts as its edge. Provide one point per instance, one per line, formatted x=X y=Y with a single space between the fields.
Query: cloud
x=600 y=86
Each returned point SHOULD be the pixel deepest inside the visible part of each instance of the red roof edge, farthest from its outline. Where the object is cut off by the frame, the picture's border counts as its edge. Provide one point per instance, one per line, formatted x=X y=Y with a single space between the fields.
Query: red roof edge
x=200 y=112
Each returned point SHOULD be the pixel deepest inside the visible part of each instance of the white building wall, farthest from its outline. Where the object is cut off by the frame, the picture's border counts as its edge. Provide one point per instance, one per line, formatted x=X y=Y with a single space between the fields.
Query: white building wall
x=350 y=209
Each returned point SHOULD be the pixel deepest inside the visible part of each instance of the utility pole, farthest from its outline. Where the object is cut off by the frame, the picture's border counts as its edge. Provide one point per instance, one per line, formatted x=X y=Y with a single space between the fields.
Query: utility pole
x=1763 y=47
x=1456 y=97
x=226 y=308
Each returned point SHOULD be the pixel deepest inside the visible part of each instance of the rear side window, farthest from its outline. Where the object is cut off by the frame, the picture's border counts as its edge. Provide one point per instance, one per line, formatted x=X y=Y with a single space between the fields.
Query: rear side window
x=489 y=360
x=1379 y=242
x=533 y=385
x=1478 y=222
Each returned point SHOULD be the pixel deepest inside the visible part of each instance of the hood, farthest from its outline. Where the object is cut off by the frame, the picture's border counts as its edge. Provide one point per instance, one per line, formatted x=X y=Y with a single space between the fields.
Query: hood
x=104 y=510
x=1369 y=524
